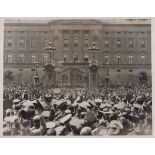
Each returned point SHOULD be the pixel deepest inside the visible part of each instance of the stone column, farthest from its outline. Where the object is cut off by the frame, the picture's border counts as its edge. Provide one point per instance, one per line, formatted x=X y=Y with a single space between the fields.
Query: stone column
x=93 y=75
x=49 y=76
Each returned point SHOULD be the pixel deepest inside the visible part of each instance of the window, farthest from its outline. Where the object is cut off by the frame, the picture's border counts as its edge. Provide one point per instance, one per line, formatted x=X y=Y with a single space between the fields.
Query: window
x=21 y=43
x=118 y=70
x=86 y=42
x=106 y=33
x=9 y=58
x=76 y=42
x=76 y=31
x=106 y=59
x=86 y=58
x=118 y=43
x=142 y=59
x=106 y=43
x=142 y=43
x=33 y=33
x=130 y=59
x=76 y=58
x=45 y=57
x=65 y=58
x=131 y=33
x=118 y=59
x=131 y=44
x=130 y=70
x=33 y=43
x=118 y=33
x=9 y=43
x=64 y=78
x=45 y=42
x=86 y=31
x=56 y=38
x=95 y=38
x=21 y=58
x=65 y=32
x=65 y=42
x=33 y=58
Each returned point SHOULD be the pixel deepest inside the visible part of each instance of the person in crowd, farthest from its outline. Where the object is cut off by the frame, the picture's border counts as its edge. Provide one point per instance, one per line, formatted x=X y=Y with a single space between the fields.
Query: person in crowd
x=117 y=110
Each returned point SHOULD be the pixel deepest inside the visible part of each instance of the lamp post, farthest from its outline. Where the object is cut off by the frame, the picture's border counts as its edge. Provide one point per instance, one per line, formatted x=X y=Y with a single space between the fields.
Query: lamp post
x=93 y=49
x=21 y=67
x=107 y=78
x=93 y=66
x=36 y=68
x=50 y=50
x=36 y=77
x=50 y=65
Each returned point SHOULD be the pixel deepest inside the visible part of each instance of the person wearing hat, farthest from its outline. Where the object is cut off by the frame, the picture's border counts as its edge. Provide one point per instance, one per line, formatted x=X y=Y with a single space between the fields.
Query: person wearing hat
x=52 y=114
x=37 y=129
x=60 y=130
x=91 y=119
x=86 y=131
x=100 y=129
x=16 y=105
x=56 y=93
x=51 y=132
x=7 y=131
x=76 y=126
x=15 y=127
x=115 y=128
x=147 y=125
x=45 y=101
x=65 y=122
x=98 y=102
x=25 y=126
x=28 y=110
x=7 y=102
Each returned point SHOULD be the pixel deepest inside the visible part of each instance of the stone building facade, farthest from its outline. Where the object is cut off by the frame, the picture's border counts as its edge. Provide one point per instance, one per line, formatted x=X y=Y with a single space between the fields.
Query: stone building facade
x=124 y=49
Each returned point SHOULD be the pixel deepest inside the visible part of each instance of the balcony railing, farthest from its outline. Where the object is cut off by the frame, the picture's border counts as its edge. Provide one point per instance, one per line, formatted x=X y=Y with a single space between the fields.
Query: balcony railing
x=15 y=64
x=70 y=63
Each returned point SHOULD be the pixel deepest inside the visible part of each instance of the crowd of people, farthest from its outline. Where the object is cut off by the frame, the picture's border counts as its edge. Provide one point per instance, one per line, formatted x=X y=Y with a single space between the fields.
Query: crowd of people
x=31 y=110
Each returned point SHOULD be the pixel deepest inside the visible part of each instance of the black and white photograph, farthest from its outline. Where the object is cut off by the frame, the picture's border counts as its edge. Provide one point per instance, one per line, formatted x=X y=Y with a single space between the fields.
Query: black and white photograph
x=77 y=77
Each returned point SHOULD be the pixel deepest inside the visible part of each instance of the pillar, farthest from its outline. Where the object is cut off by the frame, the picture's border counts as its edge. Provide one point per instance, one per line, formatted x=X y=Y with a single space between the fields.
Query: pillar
x=93 y=75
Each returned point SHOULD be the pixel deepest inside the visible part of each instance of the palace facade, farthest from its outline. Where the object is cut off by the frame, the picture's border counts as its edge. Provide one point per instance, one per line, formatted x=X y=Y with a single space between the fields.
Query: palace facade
x=123 y=50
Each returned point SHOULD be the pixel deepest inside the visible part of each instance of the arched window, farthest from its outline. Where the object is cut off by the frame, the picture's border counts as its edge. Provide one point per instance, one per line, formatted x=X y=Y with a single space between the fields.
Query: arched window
x=65 y=58
x=33 y=58
x=130 y=59
x=76 y=57
x=45 y=57
x=106 y=43
x=21 y=58
x=86 y=58
x=106 y=59
x=118 y=57
x=9 y=58
x=64 y=78
x=142 y=59
x=118 y=43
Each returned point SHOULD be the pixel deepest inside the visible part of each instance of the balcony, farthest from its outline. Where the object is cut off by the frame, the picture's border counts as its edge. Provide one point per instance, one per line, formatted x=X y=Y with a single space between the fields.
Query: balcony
x=75 y=63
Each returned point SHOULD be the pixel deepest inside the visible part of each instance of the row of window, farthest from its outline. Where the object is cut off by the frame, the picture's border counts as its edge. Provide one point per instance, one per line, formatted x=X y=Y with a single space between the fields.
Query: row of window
x=118 y=70
x=22 y=43
x=118 y=43
x=84 y=31
x=87 y=32
x=86 y=58
x=23 y=33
